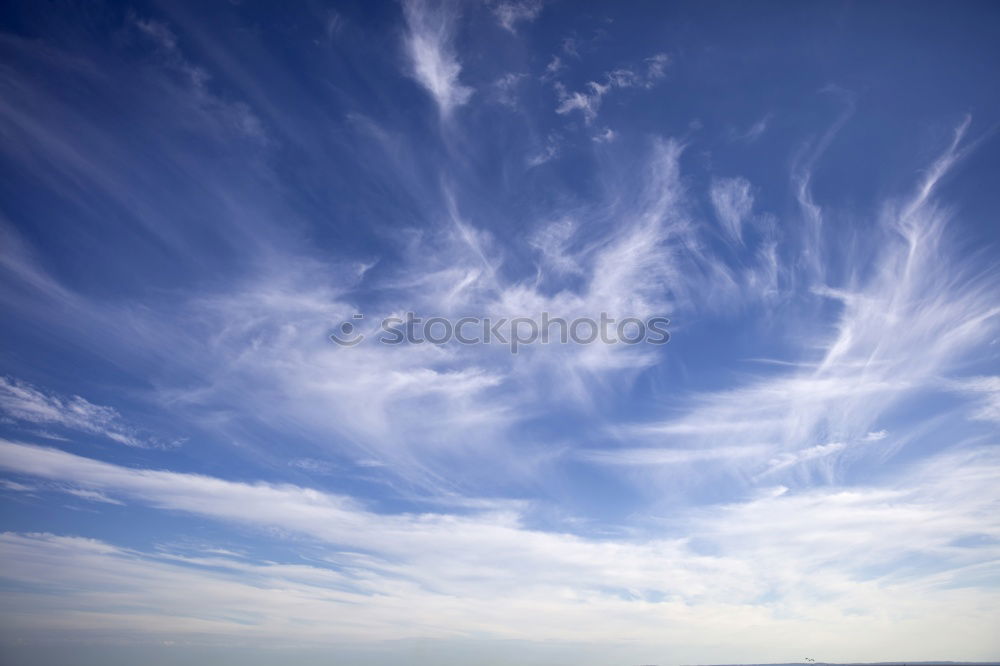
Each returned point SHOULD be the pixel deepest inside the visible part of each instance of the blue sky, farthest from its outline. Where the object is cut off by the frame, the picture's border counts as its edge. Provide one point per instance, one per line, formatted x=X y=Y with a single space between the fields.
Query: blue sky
x=195 y=195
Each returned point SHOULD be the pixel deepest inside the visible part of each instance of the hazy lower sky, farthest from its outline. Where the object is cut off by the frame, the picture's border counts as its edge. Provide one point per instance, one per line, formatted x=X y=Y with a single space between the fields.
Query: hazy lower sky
x=195 y=195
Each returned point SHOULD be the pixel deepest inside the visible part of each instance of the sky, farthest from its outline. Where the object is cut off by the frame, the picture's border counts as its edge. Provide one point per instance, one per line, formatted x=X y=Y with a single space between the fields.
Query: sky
x=196 y=195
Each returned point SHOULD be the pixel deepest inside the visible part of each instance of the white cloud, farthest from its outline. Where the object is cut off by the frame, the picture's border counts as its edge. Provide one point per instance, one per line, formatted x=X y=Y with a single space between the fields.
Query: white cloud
x=332 y=24
x=552 y=242
x=272 y=332
x=588 y=101
x=16 y=487
x=433 y=62
x=552 y=68
x=92 y=496
x=792 y=458
x=802 y=173
x=24 y=402
x=986 y=393
x=733 y=202
x=607 y=135
x=661 y=456
x=312 y=465
x=506 y=88
x=511 y=12
x=250 y=361
x=818 y=554
x=548 y=152
x=371 y=402
x=752 y=133
x=656 y=69
x=912 y=319
x=235 y=115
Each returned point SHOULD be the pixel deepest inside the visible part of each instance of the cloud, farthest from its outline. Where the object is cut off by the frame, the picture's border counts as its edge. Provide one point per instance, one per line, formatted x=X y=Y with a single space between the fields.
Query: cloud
x=485 y=574
x=236 y=115
x=547 y=153
x=552 y=68
x=269 y=331
x=669 y=456
x=732 y=199
x=985 y=391
x=656 y=69
x=511 y=12
x=24 y=402
x=78 y=154
x=801 y=177
x=312 y=465
x=790 y=459
x=333 y=23
x=552 y=242
x=588 y=101
x=916 y=296
x=752 y=133
x=16 y=487
x=433 y=62
x=506 y=88
x=369 y=489
x=607 y=135
x=92 y=496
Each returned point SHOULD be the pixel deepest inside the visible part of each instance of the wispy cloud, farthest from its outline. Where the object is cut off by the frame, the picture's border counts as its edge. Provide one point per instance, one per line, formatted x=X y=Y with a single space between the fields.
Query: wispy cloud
x=196 y=202
x=92 y=496
x=553 y=67
x=677 y=456
x=916 y=297
x=547 y=152
x=985 y=392
x=801 y=177
x=24 y=402
x=656 y=69
x=821 y=547
x=732 y=199
x=607 y=135
x=237 y=115
x=506 y=88
x=753 y=132
x=511 y=12
x=790 y=459
x=553 y=243
x=588 y=101
x=429 y=47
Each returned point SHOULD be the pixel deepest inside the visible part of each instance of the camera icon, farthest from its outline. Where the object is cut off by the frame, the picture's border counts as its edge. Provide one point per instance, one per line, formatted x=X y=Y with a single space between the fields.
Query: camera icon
x=347 y=337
